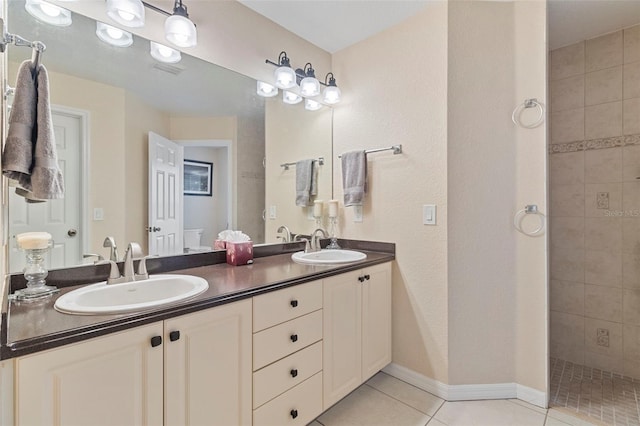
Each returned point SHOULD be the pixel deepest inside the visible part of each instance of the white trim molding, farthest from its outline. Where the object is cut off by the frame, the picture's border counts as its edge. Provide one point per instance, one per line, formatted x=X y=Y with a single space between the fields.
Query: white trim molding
x=468 y=392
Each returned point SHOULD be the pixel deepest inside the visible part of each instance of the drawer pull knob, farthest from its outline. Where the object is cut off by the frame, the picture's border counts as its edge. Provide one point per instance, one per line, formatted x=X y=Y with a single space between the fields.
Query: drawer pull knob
x=294 y=372
x=294 y=413
x=174 y=335
x=294 y=303
x=294 y=338
x=156 y=341
x=367 y=277
x=361 y=279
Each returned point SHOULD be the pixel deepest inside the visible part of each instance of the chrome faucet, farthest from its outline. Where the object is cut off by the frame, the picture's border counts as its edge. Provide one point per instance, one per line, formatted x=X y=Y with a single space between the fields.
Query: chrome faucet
x=111 y=242
x=315 y=241
x=286 y=238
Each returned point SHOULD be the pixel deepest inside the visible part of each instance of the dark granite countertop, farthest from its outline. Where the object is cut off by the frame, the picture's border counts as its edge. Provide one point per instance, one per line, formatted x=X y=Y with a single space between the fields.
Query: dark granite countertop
x=36 y=326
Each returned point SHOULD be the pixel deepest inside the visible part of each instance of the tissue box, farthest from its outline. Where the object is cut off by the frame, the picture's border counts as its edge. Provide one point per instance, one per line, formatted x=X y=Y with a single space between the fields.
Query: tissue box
x=219 y=245
x=239 y=253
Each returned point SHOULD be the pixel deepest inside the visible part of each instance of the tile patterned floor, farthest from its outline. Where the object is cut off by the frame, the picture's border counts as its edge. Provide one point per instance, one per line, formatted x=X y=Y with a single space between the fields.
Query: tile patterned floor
x=600 y=395
x=387 y=401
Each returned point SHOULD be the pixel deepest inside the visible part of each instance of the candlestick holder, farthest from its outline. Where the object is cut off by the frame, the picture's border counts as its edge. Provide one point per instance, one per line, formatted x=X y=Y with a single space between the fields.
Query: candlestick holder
x=36 y=273
x=333 y=244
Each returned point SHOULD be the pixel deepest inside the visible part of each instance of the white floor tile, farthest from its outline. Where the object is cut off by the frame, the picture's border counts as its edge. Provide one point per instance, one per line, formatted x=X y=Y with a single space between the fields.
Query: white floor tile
x=314 y=423
x=402 y=391
x=434 y=422
x=573 y=419
x=555 y=422
x=488 y=413
x=529 y=406
x=368 y=407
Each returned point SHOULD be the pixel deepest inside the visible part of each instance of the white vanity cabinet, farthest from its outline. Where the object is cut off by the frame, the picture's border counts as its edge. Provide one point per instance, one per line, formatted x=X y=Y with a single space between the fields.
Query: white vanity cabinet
x=287 y=355
x=357 y=329
x=189 y=370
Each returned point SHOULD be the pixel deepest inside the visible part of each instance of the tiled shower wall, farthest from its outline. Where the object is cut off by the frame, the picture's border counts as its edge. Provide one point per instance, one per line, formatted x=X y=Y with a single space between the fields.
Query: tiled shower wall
x=594 y=160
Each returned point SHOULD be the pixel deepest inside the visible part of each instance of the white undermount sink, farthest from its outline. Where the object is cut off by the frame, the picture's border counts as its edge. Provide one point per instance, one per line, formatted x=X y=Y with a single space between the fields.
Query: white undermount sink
x=104 y=299
x=327 y=257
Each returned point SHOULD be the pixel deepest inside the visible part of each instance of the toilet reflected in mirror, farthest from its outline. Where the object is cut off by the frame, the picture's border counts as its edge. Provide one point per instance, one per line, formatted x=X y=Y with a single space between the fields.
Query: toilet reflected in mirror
x=192 y=241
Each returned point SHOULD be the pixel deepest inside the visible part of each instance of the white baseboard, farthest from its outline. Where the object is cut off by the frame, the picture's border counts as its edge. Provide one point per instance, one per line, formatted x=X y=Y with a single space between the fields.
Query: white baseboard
x=467 y=392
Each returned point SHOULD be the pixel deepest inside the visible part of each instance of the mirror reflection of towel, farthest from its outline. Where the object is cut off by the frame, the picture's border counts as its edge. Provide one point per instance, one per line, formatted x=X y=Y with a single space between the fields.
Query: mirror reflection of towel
x=306 y=185
x=354 y=177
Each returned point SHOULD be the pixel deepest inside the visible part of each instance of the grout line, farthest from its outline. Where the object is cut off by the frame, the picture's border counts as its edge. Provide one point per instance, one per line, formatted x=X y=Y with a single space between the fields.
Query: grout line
x=400 y=401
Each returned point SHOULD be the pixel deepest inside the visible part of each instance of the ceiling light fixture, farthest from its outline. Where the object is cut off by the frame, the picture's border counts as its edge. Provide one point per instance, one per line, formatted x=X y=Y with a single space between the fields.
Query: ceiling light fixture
x=163 y=53
x=291 y=98
x=266 y=90
x=331 y=93
x=179 y=29
x=285 y=76
x=114 y=36
x=129 y=13
x=311 y=105
x=48 y=13
x=309 y=86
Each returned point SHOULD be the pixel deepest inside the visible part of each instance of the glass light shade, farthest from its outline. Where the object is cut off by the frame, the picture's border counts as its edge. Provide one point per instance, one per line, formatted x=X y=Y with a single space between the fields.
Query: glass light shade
x=311 y=105
x=48 y=13
x=266 y=90
x=291 y=97
x=331 y=95
x=180 y=31
x=129 y=13
x=112 y=35
x=309 y=86
x=163 y=53
x=285 y=77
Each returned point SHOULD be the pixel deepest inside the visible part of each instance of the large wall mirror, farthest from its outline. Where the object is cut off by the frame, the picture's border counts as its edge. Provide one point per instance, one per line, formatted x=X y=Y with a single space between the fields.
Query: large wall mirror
x=108 y=103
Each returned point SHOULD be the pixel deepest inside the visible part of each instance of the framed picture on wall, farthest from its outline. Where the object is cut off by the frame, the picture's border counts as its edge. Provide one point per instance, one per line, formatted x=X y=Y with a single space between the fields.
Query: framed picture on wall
x=198 y=178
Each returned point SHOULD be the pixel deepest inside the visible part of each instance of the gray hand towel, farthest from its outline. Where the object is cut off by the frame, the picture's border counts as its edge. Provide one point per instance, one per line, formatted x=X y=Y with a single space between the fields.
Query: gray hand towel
x=17 y=157
x=354 y=177
x=304 y=174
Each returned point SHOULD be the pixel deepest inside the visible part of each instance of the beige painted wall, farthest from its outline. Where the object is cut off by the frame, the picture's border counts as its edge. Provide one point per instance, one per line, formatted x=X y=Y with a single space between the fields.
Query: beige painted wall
x=294 y=134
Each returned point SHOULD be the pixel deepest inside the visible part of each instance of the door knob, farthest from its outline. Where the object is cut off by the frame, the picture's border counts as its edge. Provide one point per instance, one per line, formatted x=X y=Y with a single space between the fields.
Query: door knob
x=72 y=232
x=153 y=229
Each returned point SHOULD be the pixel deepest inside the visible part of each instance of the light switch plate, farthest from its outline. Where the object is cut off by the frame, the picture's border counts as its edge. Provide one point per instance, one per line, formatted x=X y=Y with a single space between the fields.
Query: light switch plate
x=272 y=212
x=98 y=213
x=357 y=214
x=429 y=214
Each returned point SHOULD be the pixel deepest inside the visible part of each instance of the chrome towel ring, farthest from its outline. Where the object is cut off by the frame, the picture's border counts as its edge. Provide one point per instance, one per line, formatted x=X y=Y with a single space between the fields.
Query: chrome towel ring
x=530 y=209
x=528 y=103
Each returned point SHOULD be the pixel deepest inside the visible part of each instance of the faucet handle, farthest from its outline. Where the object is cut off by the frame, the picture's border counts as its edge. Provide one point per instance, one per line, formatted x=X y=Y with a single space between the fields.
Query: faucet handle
x=111 y=242
x=142 y=268
x=98 y=256
x=114 y=272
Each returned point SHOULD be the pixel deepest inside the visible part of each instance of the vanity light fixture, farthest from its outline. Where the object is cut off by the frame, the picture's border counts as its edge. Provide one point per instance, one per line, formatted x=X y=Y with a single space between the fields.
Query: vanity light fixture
x=112 y=35
x=285 y=76
x=291 y=98
x=331 y=93
x=309 y=86
x=179 y=29
x=311 y=105
x=48 y=13
x=129 y=13
x=163 y=53
x=266 y=90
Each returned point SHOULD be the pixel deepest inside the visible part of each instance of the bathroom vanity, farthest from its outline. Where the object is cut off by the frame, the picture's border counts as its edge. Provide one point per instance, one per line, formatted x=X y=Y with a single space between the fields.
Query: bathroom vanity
x=271 y=343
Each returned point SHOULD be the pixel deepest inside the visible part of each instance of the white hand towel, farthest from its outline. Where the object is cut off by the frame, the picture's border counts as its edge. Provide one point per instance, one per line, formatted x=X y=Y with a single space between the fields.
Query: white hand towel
x=304 y=173
x=354 y=177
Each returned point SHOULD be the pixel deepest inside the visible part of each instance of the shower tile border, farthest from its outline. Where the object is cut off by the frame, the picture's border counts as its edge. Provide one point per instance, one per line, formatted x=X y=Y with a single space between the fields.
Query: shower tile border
x=592 y=144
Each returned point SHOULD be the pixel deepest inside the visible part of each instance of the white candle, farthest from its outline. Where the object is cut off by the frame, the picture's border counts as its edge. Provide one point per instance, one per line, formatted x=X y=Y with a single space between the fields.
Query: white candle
x=317 y=208
x=33 y=240
x=333 y=208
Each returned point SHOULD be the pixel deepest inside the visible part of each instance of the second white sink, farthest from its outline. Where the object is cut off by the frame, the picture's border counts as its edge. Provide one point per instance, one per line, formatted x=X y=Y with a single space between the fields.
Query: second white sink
x=328 y=257
x=104 y=299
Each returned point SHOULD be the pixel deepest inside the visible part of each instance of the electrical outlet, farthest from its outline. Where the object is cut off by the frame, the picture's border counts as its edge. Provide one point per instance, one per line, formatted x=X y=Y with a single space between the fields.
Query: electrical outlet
x=98 y=213
x=602 y=338
x=357 y=214
x=272 y=212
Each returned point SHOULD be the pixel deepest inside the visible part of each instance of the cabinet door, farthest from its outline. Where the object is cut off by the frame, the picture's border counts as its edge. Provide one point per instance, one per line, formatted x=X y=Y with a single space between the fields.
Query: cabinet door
x=376 y=319
x=342 y=347
x=112 y=380
x=208 y=367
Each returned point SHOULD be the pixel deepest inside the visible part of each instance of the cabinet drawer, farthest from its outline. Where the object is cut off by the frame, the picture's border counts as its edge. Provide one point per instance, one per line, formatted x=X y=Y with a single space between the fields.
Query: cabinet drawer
x=297 y=406
x=282 y=375
x=277 y=342
x=282 y=305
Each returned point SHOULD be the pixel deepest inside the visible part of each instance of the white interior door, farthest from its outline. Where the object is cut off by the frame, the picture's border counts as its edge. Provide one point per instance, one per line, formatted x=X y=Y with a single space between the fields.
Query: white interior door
x=62 y=218
x=165 y=196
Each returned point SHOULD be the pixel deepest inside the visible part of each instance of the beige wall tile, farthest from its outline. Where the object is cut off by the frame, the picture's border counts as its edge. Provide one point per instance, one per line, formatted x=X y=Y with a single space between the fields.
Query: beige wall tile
x=631 y=232
x=567 y=126
x=567 y=352
x=603 y=268
x=604 y=362
x=631 y=80
x=631 y=307
x=601 y=87
x=603 y=120
x=568 y=168
x=631 y=198
x=602 y=199
x=567 y=297
x=568 y=93
x=603 y=234
x=567 y=61
x=591 y=327
x=632 y=45
x=567 y=200
x=603 y=302
x=603 y=165
x=631 y=116
x=567 y=232
x=567 y=265
x=567 y=329
x=631 y=269
x=631 y=342
x=603 y=52
x=631 y=368
x=631 y=162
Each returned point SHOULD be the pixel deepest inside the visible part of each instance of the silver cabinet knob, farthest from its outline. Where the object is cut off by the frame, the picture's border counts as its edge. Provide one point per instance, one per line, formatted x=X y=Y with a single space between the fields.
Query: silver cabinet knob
x=72 y=232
